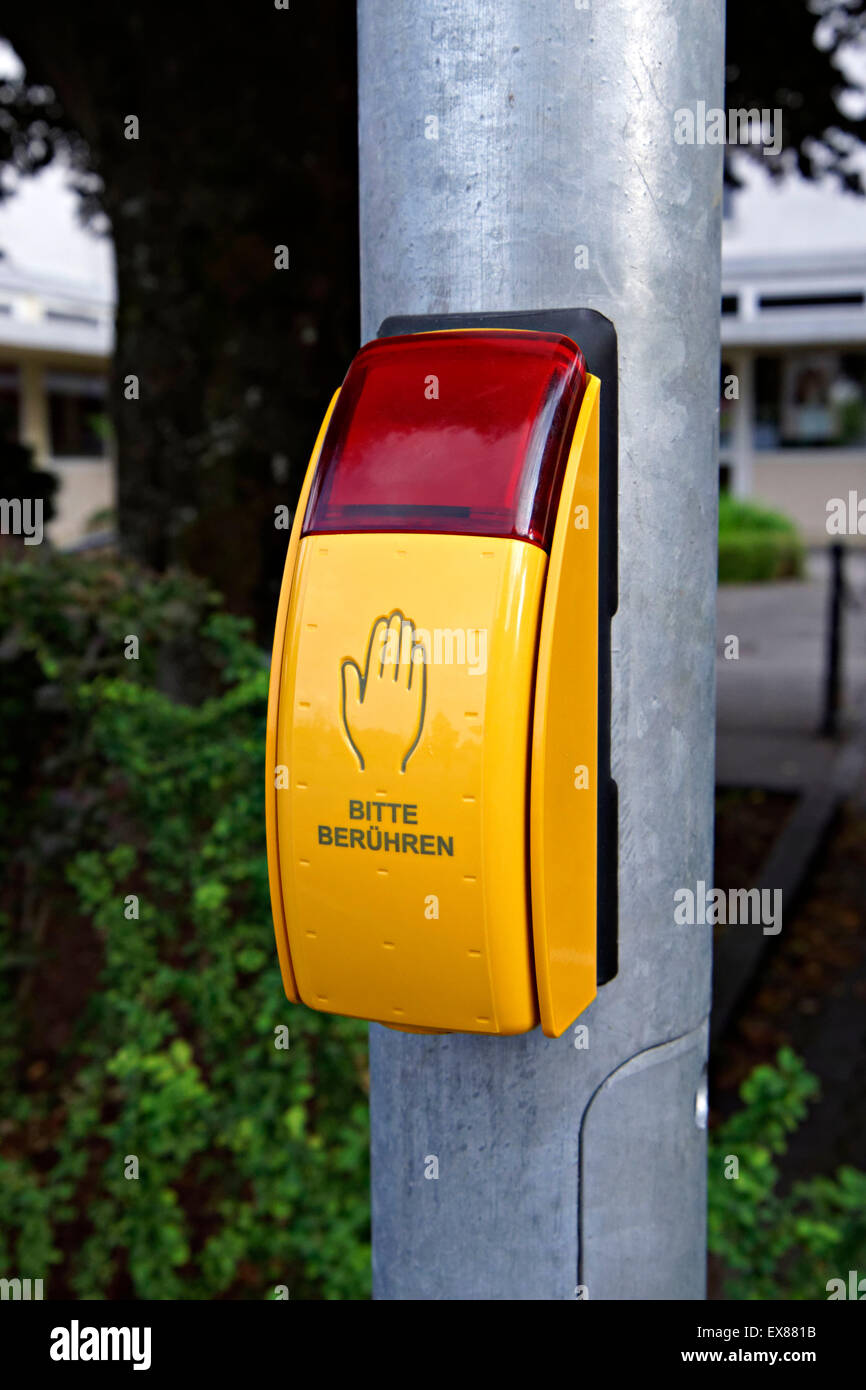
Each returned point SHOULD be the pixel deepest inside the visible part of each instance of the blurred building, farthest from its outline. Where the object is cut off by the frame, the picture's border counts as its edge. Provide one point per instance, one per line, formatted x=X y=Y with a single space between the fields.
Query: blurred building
x=794 y=341
x=56 y=338
x=794 y=336
x=55 y=348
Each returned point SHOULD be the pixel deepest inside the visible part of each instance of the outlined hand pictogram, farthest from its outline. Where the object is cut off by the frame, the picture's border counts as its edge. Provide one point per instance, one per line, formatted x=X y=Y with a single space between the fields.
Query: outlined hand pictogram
x=383 y=703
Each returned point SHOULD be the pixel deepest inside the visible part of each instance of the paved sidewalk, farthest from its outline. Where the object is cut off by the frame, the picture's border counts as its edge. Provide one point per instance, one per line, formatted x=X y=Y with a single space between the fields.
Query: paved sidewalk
x=769 y=705
x=770 y=700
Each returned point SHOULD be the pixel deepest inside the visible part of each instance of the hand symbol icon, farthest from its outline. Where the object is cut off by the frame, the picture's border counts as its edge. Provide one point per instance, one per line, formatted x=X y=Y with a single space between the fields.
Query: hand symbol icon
x=383 y=705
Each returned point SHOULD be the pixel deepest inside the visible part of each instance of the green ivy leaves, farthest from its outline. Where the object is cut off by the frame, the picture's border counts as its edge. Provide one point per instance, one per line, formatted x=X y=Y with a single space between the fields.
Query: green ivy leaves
x=252 y=1160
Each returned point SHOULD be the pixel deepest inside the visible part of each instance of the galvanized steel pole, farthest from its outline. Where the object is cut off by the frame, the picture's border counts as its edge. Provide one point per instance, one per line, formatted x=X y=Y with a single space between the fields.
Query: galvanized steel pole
x=522 y=154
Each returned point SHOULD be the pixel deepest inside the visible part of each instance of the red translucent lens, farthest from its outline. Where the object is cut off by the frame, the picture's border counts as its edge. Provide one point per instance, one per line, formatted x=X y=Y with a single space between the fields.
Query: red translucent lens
x=464 y=432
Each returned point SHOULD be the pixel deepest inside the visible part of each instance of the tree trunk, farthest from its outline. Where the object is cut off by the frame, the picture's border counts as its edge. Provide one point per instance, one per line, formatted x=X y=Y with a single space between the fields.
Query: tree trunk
x=246 y=142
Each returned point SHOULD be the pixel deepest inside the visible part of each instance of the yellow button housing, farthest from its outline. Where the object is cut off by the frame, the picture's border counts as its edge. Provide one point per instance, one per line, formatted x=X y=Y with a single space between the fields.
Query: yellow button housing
x=432 y=794
x=403 y=824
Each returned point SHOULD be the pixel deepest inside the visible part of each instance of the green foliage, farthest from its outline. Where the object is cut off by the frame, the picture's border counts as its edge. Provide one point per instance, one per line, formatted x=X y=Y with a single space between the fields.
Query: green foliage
x=780 y=1245
x=756 y=544
x=742 y=514
x=252 y=1160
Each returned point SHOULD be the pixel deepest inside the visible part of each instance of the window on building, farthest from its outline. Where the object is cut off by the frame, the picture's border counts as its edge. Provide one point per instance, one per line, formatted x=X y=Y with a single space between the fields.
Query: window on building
x=767 y=432
x=77 y=411
x=810 y=399
x=9 y=407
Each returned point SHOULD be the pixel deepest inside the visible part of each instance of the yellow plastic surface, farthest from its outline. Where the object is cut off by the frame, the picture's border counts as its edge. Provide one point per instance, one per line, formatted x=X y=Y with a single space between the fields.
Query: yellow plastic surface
x=564 y=766
x=274 y=874
x=429 y=928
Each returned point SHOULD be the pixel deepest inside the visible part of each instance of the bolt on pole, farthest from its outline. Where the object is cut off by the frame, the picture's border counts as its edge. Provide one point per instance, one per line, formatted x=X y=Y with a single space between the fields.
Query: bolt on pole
x=520 y=155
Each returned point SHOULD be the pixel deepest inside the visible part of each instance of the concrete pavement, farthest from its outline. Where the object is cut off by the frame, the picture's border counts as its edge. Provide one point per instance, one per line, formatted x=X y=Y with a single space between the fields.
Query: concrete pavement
x=770 y=699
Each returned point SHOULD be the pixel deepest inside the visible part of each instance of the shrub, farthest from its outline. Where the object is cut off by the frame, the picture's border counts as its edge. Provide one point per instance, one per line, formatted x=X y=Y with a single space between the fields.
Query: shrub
x=780 y=1245
x=151 y=1038
x=756 y=544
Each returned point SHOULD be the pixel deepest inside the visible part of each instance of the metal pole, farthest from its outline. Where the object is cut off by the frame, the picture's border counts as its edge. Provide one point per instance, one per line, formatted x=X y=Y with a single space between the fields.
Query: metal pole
x=520 y=154
x=833 y=664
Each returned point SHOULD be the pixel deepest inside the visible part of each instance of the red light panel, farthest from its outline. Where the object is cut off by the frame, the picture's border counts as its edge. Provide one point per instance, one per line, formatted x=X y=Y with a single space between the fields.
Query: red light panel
x=462 y=432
